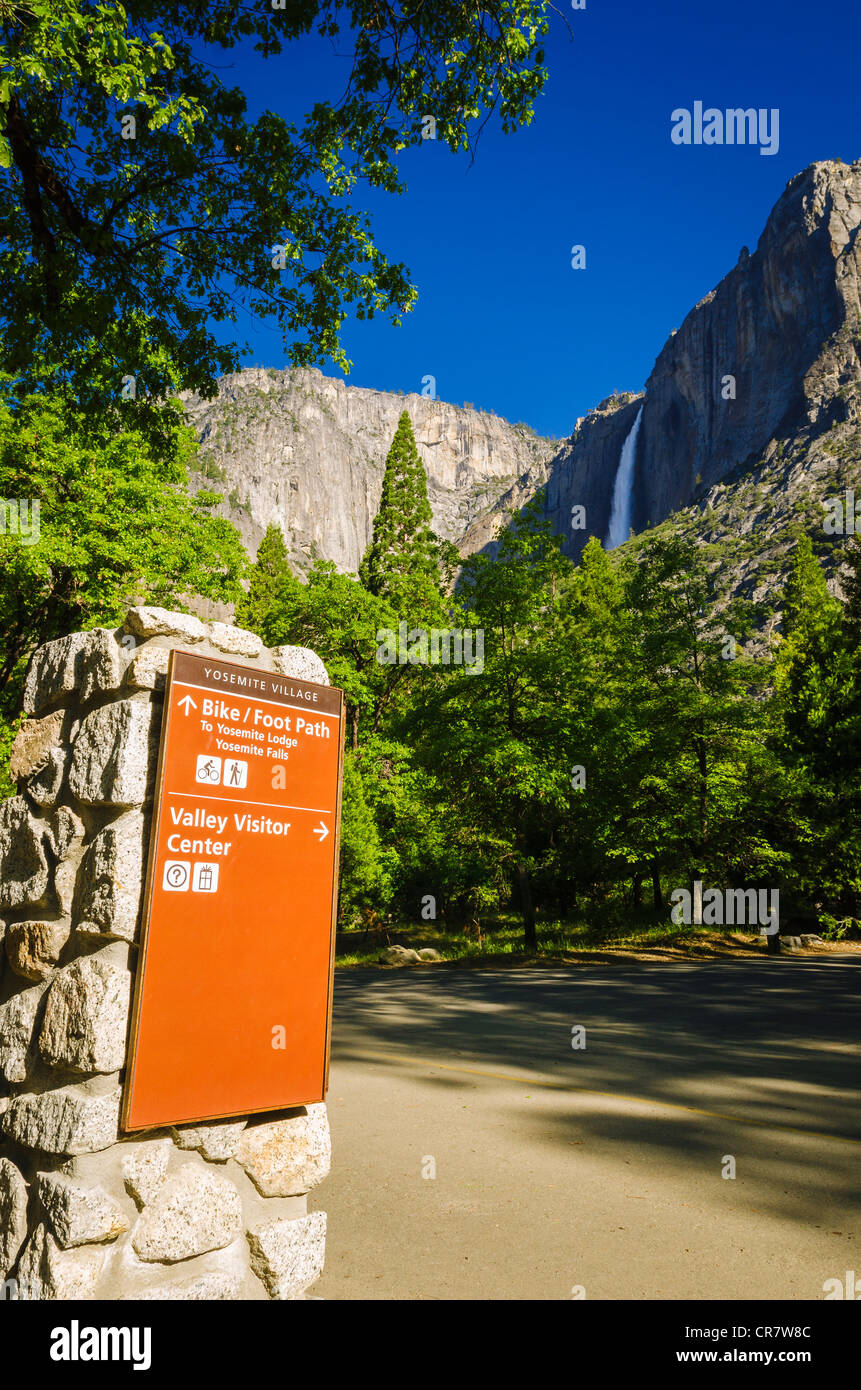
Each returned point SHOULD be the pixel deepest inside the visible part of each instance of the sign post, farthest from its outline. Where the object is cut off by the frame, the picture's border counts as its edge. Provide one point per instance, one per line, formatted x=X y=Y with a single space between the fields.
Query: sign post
x=233 y=993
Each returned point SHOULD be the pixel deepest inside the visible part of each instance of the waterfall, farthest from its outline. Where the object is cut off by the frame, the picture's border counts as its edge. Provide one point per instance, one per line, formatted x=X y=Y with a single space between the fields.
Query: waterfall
x=623 y=490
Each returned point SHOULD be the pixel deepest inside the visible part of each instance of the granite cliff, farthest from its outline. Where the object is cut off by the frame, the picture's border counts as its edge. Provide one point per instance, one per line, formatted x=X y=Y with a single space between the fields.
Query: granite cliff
x=306 y=451
x=757 y=396
x=767 y=359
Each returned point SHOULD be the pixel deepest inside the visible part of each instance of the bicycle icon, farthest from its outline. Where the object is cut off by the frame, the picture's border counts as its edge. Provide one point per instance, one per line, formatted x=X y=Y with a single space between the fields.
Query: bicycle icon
x=208 y=769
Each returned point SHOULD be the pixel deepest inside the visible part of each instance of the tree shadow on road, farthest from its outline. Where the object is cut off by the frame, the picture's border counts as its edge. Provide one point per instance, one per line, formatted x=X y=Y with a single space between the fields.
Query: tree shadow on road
x=766 y=1048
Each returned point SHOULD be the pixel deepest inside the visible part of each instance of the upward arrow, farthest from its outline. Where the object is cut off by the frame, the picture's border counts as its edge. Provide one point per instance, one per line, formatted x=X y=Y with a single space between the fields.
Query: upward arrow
x=189 y=704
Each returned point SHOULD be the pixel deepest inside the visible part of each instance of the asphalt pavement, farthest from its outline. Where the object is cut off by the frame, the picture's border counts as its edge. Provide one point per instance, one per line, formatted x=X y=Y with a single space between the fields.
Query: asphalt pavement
x=477 y=1154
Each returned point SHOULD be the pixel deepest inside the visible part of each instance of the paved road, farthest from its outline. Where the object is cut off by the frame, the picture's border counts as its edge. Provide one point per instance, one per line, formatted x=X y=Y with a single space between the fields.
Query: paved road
x=598 y=1168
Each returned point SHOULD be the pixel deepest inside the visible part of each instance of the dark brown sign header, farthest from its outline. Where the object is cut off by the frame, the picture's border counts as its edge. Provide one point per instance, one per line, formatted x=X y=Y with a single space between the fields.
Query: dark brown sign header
x=231 y=679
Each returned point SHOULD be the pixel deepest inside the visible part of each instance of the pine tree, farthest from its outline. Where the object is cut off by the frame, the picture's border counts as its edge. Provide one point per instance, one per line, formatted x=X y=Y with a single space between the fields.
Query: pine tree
x=847 y=736
x=852 y=592
x=806 y=602
x=809 y=672
x=270 y=589
x=402 y=563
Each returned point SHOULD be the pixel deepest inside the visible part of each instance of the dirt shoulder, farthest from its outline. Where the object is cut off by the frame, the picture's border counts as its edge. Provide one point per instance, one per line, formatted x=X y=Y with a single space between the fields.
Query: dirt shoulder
x=704 y=946
x=715 y=946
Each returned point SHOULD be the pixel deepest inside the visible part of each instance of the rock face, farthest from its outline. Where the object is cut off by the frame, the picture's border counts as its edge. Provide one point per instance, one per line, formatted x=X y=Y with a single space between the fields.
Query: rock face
x=198 y=1210
x=17 y=1032
x=145 y=1169
x=769 y=354
x=288 y=1255
x=108 y=890
x=761 y=382
x=307 y=452
x=111 y=755
x=86 y=1013
x=79 y=1215
x=583 y=473
x=23 y=862
x=69 y=1120
x=87 y=1212
x=33 y=948
x=47 y=1271
x=217 y=1143
x=13 y=1214
x=285 y=1158
x=766 y=324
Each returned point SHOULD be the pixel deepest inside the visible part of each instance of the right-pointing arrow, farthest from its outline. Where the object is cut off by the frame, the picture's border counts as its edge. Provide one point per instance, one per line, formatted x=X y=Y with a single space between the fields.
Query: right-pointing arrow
x=322 y=830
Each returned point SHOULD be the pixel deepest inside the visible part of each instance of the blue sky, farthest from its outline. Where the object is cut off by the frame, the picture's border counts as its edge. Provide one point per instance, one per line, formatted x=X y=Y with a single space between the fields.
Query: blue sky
x=502 y=320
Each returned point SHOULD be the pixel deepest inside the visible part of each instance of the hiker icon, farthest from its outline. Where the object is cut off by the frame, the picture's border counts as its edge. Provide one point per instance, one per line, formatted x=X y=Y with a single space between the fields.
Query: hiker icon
x=208 y=769
x=235 y=773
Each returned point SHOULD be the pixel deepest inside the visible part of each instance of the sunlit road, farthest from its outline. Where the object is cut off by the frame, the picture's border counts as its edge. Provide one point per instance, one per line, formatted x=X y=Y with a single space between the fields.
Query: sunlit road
x=599 y=1168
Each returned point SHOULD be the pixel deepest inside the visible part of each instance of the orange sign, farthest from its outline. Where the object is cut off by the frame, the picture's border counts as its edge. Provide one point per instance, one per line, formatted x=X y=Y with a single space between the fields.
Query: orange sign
x=233 y=992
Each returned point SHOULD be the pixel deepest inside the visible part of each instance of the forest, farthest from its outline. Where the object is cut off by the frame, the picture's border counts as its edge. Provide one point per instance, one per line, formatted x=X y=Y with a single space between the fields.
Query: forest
x=627 y=733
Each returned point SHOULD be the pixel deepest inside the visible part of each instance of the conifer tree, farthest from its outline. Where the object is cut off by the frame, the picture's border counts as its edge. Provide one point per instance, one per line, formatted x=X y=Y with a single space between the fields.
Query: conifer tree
x=809 y=672
x=852 y=593
x=402 y=562
x=271 y=583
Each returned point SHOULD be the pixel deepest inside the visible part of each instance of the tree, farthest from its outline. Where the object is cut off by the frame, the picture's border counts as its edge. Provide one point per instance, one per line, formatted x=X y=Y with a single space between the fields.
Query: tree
x=700 y=727
x=272 y=588
x=810 y=667
x=494 y=738
x=599 y=699
x=114 y=525
x=336 y=616
x=364 y=879
x=816 y=711
x=402 y=562
x=852 y=591
x=142 y=209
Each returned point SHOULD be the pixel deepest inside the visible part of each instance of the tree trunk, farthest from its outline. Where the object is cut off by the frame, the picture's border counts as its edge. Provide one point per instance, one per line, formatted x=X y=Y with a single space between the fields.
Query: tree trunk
x=637 y=891
x=703 y=788
x=657 y=895
x=526 y=907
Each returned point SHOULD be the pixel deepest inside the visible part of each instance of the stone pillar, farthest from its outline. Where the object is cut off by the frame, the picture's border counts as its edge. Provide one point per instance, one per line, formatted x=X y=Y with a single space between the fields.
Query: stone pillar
x=209 y=1211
